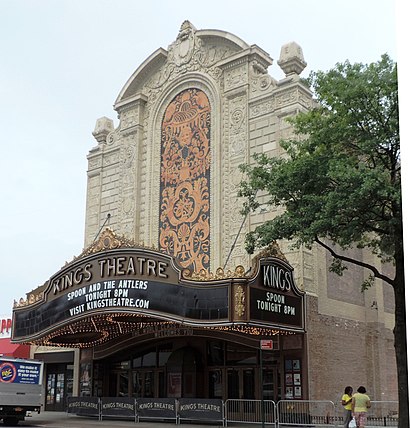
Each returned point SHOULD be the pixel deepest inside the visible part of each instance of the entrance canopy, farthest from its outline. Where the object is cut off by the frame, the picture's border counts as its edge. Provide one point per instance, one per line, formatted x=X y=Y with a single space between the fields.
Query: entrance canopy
x=115 y=288
x=16 y=350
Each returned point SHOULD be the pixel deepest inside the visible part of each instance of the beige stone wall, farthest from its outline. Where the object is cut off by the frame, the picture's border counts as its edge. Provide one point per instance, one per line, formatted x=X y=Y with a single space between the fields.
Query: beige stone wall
x=123 y=173
x=349 y=341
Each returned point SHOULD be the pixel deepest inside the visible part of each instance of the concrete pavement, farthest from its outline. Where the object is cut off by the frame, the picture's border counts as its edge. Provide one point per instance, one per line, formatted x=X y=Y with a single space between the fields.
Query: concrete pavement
x=64 y=420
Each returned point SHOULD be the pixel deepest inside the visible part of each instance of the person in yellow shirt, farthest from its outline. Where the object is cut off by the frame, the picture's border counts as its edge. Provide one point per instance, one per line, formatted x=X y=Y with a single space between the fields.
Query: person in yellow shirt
x=360 y=404
x=347 y=404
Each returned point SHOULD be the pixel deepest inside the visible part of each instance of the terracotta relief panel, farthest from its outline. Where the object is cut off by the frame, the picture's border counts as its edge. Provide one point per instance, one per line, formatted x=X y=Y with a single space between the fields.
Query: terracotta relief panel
x=184 y=229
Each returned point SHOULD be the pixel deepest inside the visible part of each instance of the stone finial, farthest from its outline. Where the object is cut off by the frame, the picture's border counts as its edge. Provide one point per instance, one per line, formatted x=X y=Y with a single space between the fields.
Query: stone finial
x=291 y=59
x=103 y=127
x=186 y=27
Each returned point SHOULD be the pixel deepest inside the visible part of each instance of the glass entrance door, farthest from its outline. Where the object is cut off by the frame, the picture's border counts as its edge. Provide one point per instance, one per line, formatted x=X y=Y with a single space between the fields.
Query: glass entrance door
x=215 y=383
x=119 y=384
x=248 y=384
x=58 y=387
x=241 y=383
x=143 y=383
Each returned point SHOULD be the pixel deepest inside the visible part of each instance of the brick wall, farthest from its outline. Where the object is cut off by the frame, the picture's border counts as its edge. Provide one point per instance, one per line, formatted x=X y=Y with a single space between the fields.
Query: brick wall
x=346 y=352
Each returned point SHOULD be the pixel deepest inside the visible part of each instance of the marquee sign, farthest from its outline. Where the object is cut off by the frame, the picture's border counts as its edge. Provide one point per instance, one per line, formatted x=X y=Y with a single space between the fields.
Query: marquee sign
x=113 y=290
x=274 y=297
x=127 y=281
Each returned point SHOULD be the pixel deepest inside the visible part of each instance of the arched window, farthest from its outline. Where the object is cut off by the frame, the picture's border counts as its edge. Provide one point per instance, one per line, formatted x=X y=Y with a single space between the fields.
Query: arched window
x=184 y=227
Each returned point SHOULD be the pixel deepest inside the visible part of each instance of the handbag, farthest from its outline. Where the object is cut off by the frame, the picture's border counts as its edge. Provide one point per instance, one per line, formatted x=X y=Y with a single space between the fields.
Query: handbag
x=352 y=423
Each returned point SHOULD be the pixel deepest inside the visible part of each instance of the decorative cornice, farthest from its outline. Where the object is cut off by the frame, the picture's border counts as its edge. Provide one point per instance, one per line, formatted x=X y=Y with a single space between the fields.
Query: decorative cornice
x=272 y=250
x=131 y=102
x=253 y=53
x=108 y=240
x=203 y=275
x=239 y=301
x=32 y=298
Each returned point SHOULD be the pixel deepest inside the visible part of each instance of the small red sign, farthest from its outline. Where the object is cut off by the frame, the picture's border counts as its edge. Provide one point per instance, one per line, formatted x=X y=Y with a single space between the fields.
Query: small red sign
x=266 y=345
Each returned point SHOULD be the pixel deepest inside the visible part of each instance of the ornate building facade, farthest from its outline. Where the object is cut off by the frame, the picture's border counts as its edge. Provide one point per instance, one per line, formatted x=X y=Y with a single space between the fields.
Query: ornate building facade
x=166 y=178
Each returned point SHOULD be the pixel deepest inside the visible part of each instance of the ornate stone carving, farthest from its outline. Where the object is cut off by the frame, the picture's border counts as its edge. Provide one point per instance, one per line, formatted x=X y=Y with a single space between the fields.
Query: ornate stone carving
x=220 y=273
x=128 y=119
x=291 y=59
x=185 y=176
x=211 y=61
x=103 y=127
x=127 y=155
x=287 y=97
x=188 y=53
x=236 y=129
x=304 y=100
x=239 y=301
x=127 y=184
x=237 y=126
x=182 y=50
x=110 y=158
x=279 y=100
x=31 y=299
x=128 y=205
x=259 y=79
x=112 y=137
x=237 y=119
x=235 y=77
x=131 y=115
x=272 y=250
x=262 y=107
x=107 y=240
x=94 y=162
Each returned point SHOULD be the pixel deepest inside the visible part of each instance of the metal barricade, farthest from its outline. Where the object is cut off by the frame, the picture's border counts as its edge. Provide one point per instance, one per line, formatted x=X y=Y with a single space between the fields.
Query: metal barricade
x=306 y=413
x=250 y=411
x=383 y=414
x=302 y=413
x=380 y=414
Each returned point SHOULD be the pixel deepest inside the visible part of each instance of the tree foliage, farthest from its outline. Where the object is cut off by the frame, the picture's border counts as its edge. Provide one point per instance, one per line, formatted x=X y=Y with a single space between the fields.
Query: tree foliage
x=340 y=178
x=338 y=183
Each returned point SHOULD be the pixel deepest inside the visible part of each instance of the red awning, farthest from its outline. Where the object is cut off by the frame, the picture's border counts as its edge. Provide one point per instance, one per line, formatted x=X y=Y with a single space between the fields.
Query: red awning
x=16 y=350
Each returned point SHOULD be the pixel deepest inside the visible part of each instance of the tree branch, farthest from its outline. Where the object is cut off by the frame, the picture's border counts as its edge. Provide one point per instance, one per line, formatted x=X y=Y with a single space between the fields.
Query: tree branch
x=372 y=268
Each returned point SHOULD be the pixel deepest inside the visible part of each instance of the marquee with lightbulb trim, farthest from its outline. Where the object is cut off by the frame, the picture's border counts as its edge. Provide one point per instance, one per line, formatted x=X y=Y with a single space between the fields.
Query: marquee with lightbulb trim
x=117 y=290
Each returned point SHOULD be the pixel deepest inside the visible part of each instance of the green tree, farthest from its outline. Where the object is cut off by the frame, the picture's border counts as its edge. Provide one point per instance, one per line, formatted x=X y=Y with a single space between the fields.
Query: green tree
x=339 y=182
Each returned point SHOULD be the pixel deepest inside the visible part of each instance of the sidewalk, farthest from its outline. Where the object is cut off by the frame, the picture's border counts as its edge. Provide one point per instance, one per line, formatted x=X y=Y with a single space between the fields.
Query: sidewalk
x=63 y=420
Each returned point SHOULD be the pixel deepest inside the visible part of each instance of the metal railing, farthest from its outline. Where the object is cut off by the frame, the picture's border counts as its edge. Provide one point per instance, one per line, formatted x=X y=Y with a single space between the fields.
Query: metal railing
x=306 y=413
x=380 y=414
x=383 y=414
x=250 y=411
x=302 y=413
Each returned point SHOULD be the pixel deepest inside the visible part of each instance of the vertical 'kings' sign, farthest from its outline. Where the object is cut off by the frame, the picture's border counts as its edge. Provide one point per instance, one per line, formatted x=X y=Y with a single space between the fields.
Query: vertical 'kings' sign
x=276 y=276
x=275 y=299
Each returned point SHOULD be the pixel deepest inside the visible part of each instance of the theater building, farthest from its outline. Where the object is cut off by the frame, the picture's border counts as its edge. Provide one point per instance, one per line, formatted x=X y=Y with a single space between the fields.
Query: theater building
x=164 y=301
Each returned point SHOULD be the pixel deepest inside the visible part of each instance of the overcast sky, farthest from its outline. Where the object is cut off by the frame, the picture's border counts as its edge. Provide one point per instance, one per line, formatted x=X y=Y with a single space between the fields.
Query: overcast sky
x=62 y=65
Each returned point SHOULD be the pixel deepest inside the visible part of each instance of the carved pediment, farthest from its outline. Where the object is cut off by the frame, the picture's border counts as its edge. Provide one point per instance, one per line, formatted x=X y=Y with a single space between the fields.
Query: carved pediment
x=272 y=250
x=108 y=240
x=193 y=50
